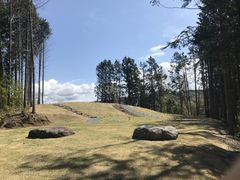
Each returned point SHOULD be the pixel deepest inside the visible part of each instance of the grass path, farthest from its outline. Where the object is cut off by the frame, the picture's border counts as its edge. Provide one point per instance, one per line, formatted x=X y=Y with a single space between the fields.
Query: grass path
x=106 y=150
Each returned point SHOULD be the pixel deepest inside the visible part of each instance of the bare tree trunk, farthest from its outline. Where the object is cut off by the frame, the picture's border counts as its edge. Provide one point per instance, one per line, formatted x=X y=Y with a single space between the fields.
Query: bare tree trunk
x=32 y=57
x=39 y=77
x=228 y=100
x=196 y=93
x=10 y=53
x=20 y=53
x=205 y=92
x=188 y=93
x=43 y=68
x=21 y=76
x=26 y=81
x=1 y=62
x=180 y=97
x=15 y=71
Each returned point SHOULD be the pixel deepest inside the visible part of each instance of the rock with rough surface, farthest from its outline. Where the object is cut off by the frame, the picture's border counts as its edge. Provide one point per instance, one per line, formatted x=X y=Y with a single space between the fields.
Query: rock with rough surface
x=23 y=120
x=155 y=133
x=55 y=132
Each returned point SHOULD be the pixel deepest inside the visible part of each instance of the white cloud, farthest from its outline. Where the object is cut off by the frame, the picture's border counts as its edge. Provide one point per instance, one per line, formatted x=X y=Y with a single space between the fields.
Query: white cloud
x=65 y=92
x=157 y=48
x=154 y=52
x=157 y=54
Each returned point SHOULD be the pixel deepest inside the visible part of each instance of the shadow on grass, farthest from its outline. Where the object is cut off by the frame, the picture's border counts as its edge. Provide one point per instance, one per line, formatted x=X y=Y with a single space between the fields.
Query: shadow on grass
x=183 y=162
x=207 y=157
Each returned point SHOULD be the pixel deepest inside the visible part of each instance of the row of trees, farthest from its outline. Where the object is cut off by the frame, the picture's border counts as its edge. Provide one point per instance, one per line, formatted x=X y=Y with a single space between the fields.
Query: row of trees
x=125 y=82
x=215 y=42
x=147 y=85
x=23 y=35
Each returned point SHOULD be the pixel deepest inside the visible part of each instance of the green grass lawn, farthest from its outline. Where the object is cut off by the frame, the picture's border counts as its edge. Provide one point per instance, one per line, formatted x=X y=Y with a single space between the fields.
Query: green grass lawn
x=105 y=150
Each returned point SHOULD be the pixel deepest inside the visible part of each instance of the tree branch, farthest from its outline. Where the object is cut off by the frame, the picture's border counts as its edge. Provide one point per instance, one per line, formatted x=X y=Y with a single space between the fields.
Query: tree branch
x=158 y=3
x=43 y=4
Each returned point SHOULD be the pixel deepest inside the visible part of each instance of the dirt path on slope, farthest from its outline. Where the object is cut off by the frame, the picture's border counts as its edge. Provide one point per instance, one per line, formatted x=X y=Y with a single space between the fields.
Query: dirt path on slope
x=75 y=111
x=126 y=110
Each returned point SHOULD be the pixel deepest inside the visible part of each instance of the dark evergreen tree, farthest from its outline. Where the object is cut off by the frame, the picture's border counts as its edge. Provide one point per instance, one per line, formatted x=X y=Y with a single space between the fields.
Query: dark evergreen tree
x=105 y=82
x=143 y=89
x=131 y=81
x=117 y=79
x=155 y=85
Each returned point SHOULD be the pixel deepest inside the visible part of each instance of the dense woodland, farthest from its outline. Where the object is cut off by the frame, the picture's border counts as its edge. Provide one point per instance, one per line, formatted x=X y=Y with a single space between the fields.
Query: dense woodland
x=23 y=36
x=213 y=55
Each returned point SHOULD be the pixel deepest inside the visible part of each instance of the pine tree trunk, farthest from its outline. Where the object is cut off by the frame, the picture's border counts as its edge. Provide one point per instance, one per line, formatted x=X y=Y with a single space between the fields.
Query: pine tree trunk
x=188 y=93
x=20 y=53
x=26 y=80
x=10 y=54
x=43 y=67
x=32 y=57
x=39 y=77
x=1 y=62
x=207 y=98
x=180 y=98
x=229 y=100
x=196 y=93
x=15 y=71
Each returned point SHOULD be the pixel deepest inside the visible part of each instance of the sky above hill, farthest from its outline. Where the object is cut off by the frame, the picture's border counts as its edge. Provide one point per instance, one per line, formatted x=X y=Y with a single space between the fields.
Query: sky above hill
x=87 y=32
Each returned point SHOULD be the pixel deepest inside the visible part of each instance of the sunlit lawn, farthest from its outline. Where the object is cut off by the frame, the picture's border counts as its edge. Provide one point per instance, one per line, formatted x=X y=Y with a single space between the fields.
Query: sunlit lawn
x=106 y=150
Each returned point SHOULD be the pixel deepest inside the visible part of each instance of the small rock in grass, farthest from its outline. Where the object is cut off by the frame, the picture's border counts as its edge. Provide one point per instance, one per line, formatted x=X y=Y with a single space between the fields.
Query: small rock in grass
x=93 y=120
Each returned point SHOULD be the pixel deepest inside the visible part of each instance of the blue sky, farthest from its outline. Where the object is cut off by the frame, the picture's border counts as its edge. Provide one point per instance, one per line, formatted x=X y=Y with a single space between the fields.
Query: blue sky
x=86 y=32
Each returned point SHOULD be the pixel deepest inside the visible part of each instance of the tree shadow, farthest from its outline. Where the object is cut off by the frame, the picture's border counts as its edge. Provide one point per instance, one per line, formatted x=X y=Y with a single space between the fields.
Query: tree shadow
x=183 y=162
x=183 y=123
x=206 y=157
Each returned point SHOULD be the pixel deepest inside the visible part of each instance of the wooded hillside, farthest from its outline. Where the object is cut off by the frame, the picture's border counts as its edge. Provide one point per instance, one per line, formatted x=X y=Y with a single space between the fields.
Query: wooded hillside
x=213 y=55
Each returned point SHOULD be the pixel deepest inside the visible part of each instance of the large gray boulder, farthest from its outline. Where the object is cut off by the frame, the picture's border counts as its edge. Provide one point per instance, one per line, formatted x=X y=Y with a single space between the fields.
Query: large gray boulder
x=55 y=132
x=155 y=133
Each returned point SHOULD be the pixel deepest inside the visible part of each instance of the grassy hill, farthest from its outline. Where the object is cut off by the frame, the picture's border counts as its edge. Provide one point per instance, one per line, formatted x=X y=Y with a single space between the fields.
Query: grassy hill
x=104 y=149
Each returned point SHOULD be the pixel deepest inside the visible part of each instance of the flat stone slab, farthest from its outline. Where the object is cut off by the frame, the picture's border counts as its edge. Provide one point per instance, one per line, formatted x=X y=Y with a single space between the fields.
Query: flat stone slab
x=93 y=120
x=155 y=133
x=55 y=132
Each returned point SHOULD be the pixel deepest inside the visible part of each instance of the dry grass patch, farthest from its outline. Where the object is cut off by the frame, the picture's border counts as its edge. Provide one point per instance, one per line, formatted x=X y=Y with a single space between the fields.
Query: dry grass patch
x=106 y=150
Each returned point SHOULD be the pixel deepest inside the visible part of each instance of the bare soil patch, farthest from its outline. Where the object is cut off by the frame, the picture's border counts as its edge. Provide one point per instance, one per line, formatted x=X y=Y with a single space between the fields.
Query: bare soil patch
x=23 y=120
x=126 y=110
x=68 y=108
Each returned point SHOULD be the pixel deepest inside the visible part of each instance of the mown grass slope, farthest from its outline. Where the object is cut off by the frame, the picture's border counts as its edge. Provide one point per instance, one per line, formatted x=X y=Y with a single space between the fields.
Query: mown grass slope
x=105 y=150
